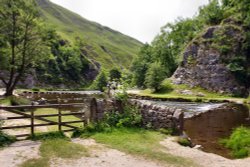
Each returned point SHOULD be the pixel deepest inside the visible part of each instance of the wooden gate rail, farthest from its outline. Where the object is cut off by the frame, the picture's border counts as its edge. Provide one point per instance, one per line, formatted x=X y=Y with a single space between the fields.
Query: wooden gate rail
x=32 y=116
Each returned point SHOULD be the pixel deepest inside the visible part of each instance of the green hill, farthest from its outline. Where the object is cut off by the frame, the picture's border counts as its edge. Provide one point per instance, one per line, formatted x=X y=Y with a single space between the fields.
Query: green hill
x=102 y=44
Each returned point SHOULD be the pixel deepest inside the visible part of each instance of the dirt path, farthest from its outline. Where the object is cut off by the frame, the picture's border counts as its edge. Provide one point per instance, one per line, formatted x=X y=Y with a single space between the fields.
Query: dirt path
x=102 y=156
x=19 y=152
x=202 y=158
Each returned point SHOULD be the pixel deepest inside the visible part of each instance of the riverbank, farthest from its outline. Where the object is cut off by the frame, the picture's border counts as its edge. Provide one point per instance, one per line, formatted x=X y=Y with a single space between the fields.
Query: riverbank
x=147 y=94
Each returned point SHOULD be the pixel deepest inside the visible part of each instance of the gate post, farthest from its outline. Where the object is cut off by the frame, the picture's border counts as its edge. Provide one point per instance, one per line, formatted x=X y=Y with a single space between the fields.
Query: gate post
x=59 y=119
x=32 y=122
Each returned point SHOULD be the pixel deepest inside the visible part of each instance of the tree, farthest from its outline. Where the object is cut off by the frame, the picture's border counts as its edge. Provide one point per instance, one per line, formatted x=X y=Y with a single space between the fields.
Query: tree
x=22 y=45
x=212 y=14
x=114 y=74
x=140 y=66
x=101 y=81
x=154 y=76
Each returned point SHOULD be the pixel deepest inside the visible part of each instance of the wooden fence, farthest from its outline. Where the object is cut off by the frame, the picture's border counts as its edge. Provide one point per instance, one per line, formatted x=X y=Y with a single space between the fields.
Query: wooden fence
x=28 y=112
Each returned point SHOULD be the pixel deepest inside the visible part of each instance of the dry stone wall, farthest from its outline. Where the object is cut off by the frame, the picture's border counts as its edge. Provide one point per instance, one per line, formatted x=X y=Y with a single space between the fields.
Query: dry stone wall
x=154 y=116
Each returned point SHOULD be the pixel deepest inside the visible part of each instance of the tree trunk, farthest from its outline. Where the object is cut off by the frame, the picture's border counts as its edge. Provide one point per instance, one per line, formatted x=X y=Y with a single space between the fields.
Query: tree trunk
x=9 y=91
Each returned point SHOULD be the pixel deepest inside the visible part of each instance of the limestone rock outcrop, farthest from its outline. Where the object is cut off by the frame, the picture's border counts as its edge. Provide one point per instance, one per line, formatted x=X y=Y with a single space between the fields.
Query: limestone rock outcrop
x=207 y=58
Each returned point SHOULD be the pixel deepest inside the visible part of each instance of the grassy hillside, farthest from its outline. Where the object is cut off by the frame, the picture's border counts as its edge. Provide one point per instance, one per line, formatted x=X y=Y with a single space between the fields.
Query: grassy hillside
x=102 y=44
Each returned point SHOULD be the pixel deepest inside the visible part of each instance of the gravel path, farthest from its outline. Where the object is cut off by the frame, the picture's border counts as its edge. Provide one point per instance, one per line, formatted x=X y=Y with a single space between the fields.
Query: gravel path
x=19 y=152
x=102 y=156
x=203 y=158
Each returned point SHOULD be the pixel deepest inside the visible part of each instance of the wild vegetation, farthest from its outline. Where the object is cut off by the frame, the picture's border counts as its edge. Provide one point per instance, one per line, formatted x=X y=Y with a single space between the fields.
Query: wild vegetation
x=56 y=54
x=239 y=142
x=21 y=41
x=101 y=44
x=167 y=48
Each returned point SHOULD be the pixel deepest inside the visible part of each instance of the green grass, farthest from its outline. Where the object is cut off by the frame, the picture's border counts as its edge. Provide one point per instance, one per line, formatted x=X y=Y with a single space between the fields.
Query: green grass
x=5 y=101
x=171 y=91
x=239 y=142
x=119 y=48
x=57 y=148
x=142 y=143
x=55 y=145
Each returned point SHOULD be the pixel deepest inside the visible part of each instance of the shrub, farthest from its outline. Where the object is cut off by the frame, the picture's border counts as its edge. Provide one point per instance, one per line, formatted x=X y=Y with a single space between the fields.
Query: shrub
x=154 y=76
x=48 y=136
x=239 y=142
x=184 y=142
x=15 y=101
x=166 y=86
x=130 y=117
x=166 y=131
x=101 y=82
x=6 y=139
x=35 y=89
x=122 y=96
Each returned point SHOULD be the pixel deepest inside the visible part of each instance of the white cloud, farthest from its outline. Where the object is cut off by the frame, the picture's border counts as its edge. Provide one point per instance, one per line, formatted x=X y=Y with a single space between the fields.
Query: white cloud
x=140 y=19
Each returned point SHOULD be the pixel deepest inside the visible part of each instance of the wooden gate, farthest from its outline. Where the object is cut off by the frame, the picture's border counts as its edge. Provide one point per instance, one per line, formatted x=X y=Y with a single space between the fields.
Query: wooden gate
x=28 y=112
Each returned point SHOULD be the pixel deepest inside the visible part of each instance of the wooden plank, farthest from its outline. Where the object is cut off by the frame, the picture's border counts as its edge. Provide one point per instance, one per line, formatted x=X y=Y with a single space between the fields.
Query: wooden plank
x=69 y=122
x=75 y=105
x=47 y=115
x=29 y=126
x=17 y=117
x=55 y=115
x=22 y=135
x=68 y=130
x=39 y=118
x=16 y=127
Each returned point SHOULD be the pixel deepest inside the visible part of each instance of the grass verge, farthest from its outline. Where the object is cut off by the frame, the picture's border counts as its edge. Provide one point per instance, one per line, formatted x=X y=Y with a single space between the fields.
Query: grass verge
x=55 y=145
x=140 y=142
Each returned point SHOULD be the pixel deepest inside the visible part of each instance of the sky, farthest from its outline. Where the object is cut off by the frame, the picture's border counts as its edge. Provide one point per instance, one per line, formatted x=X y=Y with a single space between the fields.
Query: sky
x=141 y=19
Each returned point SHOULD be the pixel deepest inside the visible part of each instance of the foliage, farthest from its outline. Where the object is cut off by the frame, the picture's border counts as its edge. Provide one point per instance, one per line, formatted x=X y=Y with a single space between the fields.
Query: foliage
x=211 y=14
x=100 y=82
x=154 y=76
x=140 y=66
x=101 y=44
x=239 y=142
x=48 y=136
x=129 y=117
x=115 y=74
x=184 y=142
x=66 y=63
x=165 y=48
x=35 y=89
x=15 y=101
x=22 y=45
x=122 y=96
x=6 y=139
x=166 y=131
x=168 y=46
